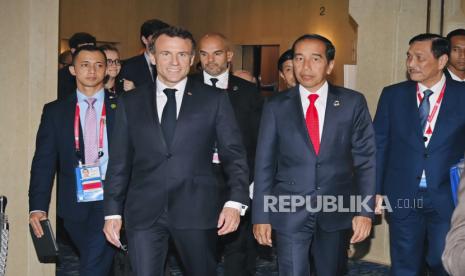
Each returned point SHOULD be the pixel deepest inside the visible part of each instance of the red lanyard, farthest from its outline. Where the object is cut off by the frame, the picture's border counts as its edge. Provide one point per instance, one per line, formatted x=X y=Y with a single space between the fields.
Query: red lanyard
x=100 y=136
x=428 y=129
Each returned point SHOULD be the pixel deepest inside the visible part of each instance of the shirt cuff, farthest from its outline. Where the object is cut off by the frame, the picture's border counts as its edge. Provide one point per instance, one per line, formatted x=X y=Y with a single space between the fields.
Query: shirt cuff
x=37 y=211
x=237 y=205
x=112 y=217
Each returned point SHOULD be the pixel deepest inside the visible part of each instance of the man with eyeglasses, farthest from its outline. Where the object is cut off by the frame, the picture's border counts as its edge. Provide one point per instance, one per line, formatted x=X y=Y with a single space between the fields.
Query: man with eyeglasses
x=160 y=171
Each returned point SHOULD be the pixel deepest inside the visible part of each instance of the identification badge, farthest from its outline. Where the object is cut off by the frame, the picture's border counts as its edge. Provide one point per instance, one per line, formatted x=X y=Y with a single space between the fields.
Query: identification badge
x=89 y=186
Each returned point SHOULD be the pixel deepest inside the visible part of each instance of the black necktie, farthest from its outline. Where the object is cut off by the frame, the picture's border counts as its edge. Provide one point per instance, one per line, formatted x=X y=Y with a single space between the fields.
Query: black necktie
x=168 y=117
x=424 y=108
x=214 y=81
x=154 y=72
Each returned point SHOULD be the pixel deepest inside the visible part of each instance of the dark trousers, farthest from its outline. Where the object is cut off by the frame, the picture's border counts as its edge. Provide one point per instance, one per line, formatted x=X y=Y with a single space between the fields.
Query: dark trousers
x=95 y=253
x=328 y=250
x=419 y=237
x=148 y=249
x=239 y=249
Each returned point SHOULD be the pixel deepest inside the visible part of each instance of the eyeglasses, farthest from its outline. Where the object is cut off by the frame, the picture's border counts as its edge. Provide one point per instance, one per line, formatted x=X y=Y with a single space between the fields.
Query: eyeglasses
x=116 y=62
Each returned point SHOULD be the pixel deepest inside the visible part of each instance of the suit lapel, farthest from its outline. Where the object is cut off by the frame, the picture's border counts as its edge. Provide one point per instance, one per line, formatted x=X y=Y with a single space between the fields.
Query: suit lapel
x=68 y=126
x=445 y=114
x=184 y=111
x=151 y=104
x=296 y=114
x=110 y=105
x=331 y=119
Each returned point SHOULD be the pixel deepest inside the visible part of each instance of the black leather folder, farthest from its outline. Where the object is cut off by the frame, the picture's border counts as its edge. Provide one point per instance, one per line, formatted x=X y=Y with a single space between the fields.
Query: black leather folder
x=46 y=246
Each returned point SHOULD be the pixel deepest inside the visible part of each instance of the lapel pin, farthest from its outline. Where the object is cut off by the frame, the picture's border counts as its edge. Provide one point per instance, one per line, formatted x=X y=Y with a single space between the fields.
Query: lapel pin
x=189 y=93
x=235 y=88
x=113 y=106
x=336 y=103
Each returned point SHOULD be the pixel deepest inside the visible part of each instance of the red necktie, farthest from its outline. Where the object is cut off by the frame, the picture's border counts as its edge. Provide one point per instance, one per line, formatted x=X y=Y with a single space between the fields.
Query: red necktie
x=311 y=119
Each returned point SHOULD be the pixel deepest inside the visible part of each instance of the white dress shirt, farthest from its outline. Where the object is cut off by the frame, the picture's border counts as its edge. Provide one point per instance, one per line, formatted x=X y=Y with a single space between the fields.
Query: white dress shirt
x=222 y=79
x=320 y=103
x=455 y=77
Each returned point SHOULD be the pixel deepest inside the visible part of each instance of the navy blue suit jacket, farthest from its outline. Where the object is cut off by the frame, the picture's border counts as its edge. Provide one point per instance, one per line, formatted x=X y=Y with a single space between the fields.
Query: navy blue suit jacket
x=401 y=152
x=55 y=154
x=286 y=163
x=145 y=178
x=136 y=69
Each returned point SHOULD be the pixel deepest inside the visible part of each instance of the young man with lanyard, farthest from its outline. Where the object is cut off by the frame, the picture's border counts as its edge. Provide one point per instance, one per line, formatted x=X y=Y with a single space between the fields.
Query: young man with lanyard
x=420 y=129
x=72 y=142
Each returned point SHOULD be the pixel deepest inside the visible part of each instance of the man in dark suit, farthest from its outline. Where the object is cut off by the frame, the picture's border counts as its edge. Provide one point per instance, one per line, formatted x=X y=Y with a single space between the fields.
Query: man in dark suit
x=316 y=143
x=456 y=66
x=66 y=81
x=160 y=173
x=59 y=151
x=420 y=134
x=138 y=70
x=215 y=58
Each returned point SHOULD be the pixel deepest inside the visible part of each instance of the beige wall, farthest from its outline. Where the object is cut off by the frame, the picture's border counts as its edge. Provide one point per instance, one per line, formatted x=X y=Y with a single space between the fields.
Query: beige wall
x=27 y=80
x=260 y=22
x=115 y=21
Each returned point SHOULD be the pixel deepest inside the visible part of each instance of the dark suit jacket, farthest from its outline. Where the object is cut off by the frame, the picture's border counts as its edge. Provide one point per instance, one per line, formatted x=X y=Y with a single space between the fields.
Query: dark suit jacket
x=55 y=153
x=401 y=153
x=145 y=178
x=247 y=105
x=286 y=163
x=136 y=69
x=66 y=83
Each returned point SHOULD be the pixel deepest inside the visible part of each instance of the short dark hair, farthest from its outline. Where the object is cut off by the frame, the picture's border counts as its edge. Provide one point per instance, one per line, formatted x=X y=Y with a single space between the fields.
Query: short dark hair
x=172 y=32
x=90 y=48
x=81 y=38
x=330 y=50
x=150 y=27
x=451 y=34
x=288 y=55
x=439 y=45
x=108 y=47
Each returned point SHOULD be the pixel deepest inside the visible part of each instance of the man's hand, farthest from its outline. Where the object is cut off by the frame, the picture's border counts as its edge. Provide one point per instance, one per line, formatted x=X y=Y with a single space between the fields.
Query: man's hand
x=34 y=221
x=128 y=85
x=111 y=229
x=262 y=233
x=228 y=221
x=362 y=227
x=378 y=204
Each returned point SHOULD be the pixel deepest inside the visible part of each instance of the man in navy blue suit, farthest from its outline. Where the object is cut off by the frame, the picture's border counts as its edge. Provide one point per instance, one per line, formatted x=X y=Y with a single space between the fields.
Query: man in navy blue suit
x=69 y=134
x=420 y=134
x=315 y=141
x=160 y=176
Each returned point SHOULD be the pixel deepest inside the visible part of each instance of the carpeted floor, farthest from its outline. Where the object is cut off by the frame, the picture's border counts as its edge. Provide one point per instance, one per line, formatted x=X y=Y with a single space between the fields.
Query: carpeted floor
x=69 y=266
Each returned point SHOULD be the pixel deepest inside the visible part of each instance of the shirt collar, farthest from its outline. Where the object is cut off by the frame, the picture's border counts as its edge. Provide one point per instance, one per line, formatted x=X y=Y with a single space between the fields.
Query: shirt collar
x=222 y=79
x=99 y=96
x=435 y=88
x=454 y=76
x=147 y=58
x=322 y=93
x=180 y=86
